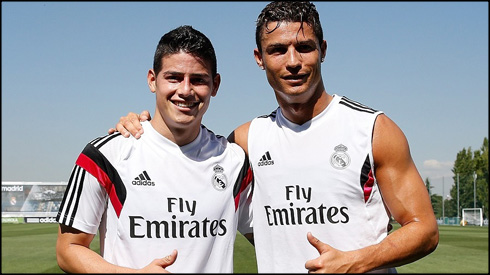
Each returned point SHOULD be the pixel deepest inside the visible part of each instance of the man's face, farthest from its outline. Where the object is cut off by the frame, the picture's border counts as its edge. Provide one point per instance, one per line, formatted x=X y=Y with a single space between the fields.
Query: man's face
x=291 y=57
x=183 y=88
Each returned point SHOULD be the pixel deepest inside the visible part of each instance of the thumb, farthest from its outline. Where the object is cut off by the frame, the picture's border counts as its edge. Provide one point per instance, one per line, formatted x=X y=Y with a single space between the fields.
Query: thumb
x=169 y=260
x=316 y=243
x=145 y=115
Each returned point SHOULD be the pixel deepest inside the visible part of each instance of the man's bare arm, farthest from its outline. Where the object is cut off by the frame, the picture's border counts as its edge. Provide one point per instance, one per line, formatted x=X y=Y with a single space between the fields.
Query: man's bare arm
x=407 y=199
x=74 y=255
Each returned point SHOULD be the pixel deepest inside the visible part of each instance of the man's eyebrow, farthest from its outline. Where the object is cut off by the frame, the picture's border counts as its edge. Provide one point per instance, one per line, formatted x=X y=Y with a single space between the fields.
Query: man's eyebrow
x=276 y=45
x=302 y=42
x=307 y=42
x=177 y=73
x=172 y=72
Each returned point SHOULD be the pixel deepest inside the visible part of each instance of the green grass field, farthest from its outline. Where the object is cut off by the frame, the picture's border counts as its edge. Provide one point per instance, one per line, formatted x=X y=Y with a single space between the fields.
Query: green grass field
x=30 y=248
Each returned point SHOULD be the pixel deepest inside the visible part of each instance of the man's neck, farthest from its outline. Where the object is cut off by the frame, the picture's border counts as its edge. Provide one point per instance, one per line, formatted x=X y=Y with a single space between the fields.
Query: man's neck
x=299 y=113
x=178 y=135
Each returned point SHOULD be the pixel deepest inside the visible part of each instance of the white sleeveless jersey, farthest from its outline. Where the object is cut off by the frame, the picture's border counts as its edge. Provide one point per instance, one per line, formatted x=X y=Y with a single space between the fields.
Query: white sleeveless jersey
x=316 y=177
x=149 y=196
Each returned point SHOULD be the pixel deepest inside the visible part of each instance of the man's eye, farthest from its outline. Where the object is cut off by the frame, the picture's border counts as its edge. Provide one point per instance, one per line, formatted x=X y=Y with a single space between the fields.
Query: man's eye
x=305 y=48
x=278 y=51
x=199 y=81
x=172 y=78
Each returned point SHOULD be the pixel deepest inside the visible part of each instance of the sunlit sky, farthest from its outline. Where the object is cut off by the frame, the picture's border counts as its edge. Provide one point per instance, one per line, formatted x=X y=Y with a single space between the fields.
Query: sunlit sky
x=71 y=69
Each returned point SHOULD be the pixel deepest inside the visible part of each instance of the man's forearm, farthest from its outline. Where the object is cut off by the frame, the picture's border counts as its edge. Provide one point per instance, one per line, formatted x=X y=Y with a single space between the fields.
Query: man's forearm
x=405 y=245
x=80 y=259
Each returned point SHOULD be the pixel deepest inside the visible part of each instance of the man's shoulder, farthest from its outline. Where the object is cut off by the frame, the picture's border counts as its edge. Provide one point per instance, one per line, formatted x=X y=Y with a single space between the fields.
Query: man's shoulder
x=111 y=146
x=356 y=107
x=111 y=140
x=215 y=144
x=271 y=115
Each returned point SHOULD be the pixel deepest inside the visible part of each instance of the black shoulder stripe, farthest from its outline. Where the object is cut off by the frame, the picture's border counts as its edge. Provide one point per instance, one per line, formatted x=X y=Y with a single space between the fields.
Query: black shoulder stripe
x=71 y=197
x=272 y=115
x=59 y=217
x=356 y=106
x=79 y=193
x=99 y=142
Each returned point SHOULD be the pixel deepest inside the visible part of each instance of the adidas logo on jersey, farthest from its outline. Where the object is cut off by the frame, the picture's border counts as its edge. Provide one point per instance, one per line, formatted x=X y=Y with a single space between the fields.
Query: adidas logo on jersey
x=143 y=179
x=266 y=160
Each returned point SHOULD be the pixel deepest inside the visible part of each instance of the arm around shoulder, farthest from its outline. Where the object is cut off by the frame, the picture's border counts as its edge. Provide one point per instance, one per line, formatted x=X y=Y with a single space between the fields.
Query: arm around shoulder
x=131 y=124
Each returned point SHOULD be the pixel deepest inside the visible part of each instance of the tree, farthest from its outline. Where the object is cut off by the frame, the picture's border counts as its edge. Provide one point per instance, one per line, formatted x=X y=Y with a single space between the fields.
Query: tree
x=481 y=168
x=428 y=186
x=435 y=200
x=450 y=207
x=468 y=163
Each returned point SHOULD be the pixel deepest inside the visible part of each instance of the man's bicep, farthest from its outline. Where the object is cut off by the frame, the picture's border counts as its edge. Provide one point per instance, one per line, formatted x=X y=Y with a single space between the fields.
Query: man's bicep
x=68 y=235
x=404 y=194
x=402 y=188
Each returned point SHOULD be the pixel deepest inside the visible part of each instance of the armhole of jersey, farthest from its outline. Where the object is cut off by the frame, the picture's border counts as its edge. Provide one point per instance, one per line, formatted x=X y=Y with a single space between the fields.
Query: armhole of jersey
x=244 y=179
x=368 y=174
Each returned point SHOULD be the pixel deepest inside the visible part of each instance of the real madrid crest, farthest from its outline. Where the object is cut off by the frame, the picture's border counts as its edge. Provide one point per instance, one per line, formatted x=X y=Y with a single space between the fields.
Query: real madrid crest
x=219 y=179
x=340 y=159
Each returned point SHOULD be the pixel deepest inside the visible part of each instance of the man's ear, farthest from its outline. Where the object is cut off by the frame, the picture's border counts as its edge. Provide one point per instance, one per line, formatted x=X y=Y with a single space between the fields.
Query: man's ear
x=258 y=58
x=151 y=78
x=323 y=47
x=216 y=82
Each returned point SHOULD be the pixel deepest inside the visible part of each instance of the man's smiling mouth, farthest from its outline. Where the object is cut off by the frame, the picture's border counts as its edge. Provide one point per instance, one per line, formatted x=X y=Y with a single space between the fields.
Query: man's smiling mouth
x=185 y=104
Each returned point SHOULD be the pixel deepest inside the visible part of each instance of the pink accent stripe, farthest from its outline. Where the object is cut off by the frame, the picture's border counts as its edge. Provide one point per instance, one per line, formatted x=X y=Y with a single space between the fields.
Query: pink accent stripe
x=91 y=167
x=368 y=186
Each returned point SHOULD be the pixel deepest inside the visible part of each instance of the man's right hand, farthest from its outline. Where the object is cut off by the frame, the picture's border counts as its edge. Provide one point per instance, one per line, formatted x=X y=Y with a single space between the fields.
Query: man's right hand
x=131 y=124
x=159 y=265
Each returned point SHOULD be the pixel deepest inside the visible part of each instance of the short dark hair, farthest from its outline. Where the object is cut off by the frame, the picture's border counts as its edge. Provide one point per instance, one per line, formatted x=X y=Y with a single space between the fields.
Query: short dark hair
x=186 y=39
x=288 y=11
